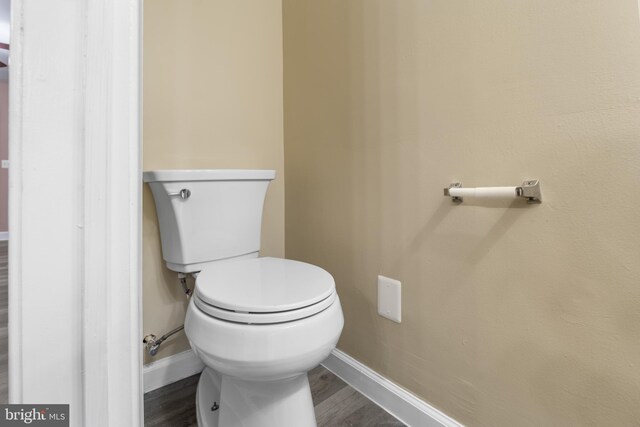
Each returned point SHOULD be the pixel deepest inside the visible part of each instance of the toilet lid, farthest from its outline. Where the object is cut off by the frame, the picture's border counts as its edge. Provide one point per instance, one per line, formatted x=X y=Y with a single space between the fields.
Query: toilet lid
x=263 y=285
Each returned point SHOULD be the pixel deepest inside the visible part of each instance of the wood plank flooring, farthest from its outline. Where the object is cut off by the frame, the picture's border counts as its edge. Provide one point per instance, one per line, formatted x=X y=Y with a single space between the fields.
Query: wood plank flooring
x=336 y=404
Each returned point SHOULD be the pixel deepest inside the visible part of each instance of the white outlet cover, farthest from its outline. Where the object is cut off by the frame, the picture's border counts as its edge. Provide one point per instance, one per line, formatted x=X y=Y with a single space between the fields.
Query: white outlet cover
x=390 y=298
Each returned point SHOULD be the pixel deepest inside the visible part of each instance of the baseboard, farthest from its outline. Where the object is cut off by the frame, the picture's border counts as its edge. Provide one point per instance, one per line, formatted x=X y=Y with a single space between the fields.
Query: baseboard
x=4 y=236
x=170 y=369
x=399 y=402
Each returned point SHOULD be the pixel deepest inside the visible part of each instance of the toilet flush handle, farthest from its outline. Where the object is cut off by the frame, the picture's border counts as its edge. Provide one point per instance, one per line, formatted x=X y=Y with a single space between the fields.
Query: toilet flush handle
x=184 y=194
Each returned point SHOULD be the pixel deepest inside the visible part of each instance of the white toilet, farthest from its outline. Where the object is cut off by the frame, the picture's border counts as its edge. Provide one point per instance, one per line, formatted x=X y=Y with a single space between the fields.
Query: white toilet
x=258 y=324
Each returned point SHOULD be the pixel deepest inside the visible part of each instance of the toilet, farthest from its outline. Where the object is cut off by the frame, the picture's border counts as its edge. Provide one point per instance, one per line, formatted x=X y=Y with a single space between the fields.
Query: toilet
x=259 y=324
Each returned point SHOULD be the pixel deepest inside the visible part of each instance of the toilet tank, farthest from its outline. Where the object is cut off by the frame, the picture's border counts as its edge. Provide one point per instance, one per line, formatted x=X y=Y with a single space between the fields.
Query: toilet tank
x=207 y=215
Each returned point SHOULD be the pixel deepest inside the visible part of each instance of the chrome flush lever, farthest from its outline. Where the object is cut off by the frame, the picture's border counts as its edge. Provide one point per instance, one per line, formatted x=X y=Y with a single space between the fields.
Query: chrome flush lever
x=184 y=194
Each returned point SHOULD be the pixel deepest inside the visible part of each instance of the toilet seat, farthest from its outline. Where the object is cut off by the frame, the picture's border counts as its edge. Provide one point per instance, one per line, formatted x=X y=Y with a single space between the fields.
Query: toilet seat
x=263 y=290
x=264 y=318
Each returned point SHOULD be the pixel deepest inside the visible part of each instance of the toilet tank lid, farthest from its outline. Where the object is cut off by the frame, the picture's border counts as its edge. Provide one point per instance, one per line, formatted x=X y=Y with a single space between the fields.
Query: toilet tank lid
x=168 y=175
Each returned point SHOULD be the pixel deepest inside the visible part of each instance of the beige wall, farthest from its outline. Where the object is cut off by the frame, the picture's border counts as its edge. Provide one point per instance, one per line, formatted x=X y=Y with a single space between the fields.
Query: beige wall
x=212 y=99
x=519 y=316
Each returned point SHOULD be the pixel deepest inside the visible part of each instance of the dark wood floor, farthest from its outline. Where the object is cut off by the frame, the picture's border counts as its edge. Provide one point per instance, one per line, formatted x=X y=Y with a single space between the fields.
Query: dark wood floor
x=336 y=404
x=4 y=315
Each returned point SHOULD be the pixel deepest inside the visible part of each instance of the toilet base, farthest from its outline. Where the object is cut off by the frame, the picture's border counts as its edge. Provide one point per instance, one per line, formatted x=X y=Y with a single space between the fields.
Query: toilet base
x=208 y=395
x=283 y=403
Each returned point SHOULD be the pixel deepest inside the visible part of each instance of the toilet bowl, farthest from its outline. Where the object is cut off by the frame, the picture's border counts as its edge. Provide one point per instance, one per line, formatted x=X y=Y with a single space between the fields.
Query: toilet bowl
x=258 y=324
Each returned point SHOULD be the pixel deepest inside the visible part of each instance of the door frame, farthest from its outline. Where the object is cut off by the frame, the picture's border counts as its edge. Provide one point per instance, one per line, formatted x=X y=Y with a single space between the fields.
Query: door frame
x=75 y=295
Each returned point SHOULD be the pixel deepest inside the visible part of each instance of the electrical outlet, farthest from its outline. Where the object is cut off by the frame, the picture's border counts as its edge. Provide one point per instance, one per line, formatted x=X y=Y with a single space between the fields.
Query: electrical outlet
x=390 y=298
x=5 y=164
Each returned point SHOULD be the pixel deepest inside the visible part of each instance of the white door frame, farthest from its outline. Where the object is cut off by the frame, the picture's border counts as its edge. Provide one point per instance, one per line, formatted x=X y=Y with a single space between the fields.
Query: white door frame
x=75 y=208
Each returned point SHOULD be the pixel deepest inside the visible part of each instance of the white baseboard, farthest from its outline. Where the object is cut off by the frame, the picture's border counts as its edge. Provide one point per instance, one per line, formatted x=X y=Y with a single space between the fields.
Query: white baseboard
x=399 y=402
x=4 y=236
x=171 y=369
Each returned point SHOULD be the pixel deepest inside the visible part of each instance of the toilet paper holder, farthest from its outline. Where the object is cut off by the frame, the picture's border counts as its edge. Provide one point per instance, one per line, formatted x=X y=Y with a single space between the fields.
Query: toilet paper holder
x=530 y=190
